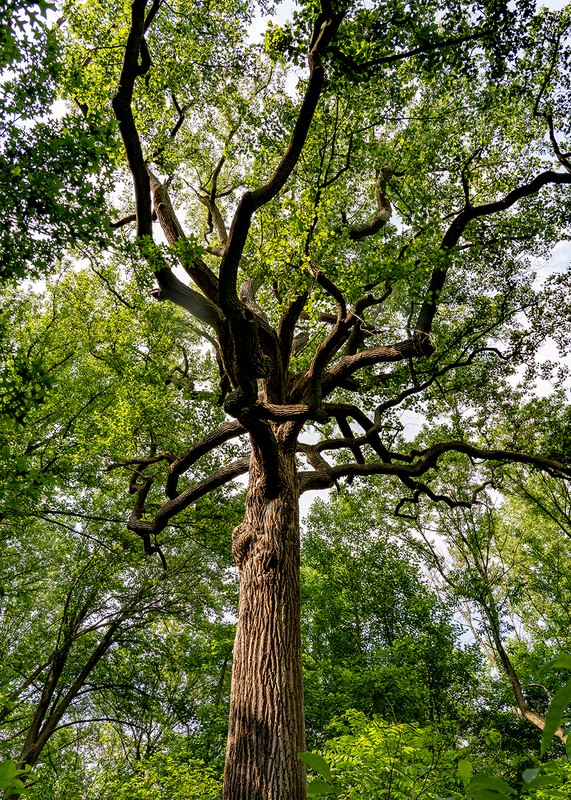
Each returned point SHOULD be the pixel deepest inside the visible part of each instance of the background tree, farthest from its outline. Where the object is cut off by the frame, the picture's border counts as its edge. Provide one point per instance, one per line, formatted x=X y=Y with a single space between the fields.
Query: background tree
x=376 y=638
x=505 y=575
x=54 y=169
x=84 y=615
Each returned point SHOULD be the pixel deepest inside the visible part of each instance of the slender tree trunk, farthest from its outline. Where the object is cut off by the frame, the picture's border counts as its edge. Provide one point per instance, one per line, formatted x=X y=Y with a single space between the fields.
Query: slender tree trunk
x=266 y=726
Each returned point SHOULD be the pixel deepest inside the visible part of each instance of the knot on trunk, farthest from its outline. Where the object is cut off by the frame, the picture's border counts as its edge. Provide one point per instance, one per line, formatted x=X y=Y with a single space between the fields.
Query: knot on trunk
x=243 y=537
x=248 y=544
x=422 y=344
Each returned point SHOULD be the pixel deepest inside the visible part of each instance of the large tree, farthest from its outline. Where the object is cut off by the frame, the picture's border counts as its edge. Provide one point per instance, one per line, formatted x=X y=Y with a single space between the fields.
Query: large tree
x=350 y=249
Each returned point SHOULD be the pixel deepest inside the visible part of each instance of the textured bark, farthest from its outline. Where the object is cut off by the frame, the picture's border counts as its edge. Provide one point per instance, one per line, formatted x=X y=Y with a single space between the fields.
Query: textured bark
x=266 y=726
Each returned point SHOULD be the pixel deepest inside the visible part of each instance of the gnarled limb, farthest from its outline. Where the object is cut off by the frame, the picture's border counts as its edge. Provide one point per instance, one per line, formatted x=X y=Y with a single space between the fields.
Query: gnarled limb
x=419 y=463
x=179 y=466
x=384 y=210
x=458 y=226
x=417 y=345
x=183 y=500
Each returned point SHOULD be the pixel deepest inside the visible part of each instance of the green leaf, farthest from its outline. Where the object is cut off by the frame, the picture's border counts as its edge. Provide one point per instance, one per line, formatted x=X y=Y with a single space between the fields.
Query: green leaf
x=9 y=776
x=489 y=783
x=317 y=763
x=563 y=661
x=530 y=774
x=319 y=787
x=557 y=706
x=481 y=793
x=465 y=771
x=545 y=780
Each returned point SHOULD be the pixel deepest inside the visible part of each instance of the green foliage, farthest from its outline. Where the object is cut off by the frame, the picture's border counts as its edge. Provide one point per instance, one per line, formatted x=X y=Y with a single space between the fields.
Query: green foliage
x=558 y=704
x=166 y=776
x=377 y=639
x=317 y=786
x=551 y=781
x=55 y=168
x=102 y=365
x=10 y=777
x=373 y=758
x=376 y=759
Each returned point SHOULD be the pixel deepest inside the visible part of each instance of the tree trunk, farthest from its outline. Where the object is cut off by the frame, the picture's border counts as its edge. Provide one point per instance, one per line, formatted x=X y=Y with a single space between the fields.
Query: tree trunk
x=266 y=725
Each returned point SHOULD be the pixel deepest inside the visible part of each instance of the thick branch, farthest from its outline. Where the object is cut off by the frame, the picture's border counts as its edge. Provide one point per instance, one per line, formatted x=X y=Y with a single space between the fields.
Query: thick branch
x=177 y=504
x=421 y=462
x=178 y=467
x=458 y=226
x=170 y=288
x=172 y=229
x=410 y=348
x=286 y=327
x=251 y=201
x=124 y=115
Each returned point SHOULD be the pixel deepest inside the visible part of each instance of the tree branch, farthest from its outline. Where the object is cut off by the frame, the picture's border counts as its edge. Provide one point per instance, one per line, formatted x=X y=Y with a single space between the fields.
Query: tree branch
x=417 y=345
x=171 y=288
x=187 y=497
x=172 y=229
x=456 y=229
x=418 y=463
x=179 y=466
x=324 y=31
x=123 y=112
x=384 y=210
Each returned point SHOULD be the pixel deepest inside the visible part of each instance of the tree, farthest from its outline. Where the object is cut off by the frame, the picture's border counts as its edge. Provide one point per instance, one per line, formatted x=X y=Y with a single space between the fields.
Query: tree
x=376 y=638
x=505 y=567
x=84 y=614
x=452 y=121
x=50 y=198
